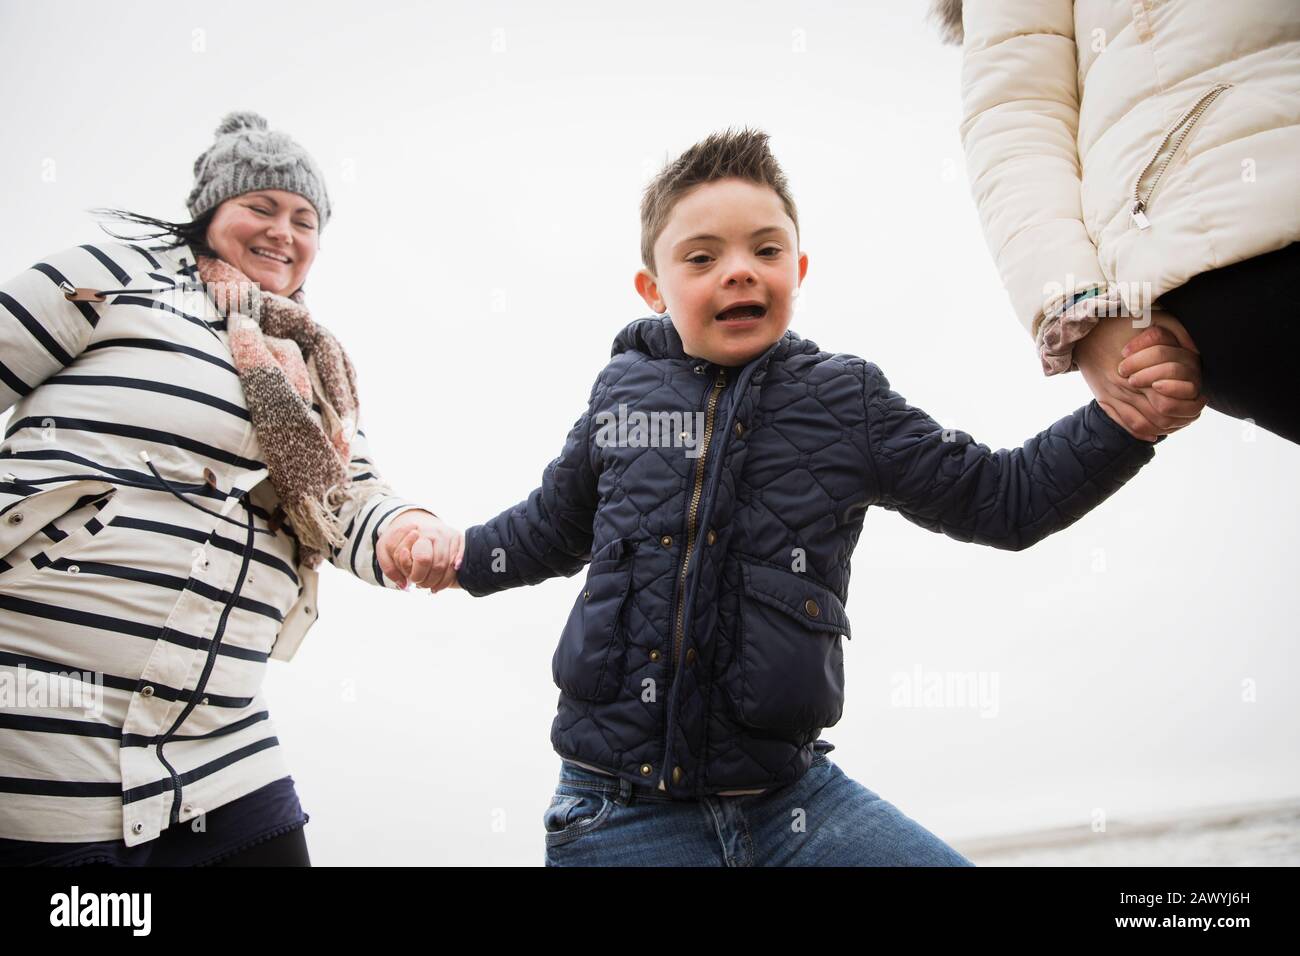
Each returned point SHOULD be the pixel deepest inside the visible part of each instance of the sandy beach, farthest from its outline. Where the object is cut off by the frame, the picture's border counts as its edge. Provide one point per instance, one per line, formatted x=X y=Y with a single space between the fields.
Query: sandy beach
x=1244 y=835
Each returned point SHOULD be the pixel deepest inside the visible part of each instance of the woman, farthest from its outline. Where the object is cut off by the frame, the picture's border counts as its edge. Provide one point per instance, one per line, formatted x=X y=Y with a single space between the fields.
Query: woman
x=183 y=451
x=1124 y=153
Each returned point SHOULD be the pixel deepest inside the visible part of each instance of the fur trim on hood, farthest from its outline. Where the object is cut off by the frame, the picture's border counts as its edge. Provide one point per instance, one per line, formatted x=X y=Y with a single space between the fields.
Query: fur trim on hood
x=947 y=14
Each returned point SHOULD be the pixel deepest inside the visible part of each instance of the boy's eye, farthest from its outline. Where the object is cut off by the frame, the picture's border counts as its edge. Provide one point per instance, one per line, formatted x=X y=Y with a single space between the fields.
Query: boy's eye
x=775 y=250
x=700 y=258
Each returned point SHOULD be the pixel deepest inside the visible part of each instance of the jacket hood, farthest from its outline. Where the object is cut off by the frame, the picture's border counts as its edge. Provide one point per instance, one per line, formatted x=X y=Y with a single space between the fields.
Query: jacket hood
x=657 y=337
x=947 y=15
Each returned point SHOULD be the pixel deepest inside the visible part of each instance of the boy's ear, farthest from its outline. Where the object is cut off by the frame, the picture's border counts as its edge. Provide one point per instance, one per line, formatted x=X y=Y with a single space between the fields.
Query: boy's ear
x=803 y=266
x=647 y=286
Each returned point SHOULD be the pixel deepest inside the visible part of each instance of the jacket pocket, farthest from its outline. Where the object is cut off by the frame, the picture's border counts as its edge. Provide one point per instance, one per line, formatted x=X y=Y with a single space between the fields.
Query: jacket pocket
x=789 y=675
x=588 y=661
x=1144 y=187
x=33 y=535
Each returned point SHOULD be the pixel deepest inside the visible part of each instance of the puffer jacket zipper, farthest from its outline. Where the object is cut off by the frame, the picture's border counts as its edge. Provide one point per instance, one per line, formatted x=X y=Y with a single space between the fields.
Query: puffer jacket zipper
x=1178 y=133
x=692 y=512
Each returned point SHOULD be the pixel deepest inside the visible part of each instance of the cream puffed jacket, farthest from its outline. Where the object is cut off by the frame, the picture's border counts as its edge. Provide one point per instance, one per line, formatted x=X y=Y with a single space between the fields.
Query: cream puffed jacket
x=1131 y=145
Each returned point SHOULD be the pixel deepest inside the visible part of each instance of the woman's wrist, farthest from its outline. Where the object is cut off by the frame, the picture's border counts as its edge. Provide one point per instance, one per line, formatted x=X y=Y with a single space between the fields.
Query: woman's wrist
x=410 y=516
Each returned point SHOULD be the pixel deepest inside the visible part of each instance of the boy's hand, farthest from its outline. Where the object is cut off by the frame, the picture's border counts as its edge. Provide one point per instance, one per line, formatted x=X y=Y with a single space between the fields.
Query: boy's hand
x=1162 y=361
x=421 y=549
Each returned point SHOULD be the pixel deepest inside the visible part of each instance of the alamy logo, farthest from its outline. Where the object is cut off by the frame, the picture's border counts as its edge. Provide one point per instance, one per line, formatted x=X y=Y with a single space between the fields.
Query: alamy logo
x=637 y=429
x=102 y=909
x=22 y=688
x=921 y=688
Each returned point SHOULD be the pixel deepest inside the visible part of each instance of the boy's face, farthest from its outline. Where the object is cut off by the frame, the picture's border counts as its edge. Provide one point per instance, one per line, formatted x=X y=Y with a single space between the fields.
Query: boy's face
x=729 y=268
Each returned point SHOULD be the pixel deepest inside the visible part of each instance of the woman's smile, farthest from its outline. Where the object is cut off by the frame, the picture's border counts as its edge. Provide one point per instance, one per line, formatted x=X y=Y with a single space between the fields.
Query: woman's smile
x=265 y=253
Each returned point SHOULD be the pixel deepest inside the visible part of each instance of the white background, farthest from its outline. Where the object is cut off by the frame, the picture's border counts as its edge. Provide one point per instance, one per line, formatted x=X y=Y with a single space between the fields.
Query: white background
x=485 y=161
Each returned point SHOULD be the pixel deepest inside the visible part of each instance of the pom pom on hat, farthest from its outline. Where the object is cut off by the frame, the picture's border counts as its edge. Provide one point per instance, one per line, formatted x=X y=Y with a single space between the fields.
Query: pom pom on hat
x=240 y=119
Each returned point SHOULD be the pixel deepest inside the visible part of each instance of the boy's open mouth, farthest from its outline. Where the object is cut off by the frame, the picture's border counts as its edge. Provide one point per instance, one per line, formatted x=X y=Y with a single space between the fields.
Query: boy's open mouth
x=742 y=312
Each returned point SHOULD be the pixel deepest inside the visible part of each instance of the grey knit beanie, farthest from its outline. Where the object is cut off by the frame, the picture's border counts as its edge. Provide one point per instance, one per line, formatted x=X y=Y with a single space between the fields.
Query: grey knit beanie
x=247 y=156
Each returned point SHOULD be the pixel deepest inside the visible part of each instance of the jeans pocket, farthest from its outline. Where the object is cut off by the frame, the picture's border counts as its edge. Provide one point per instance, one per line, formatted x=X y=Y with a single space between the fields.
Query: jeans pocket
x=575 y=813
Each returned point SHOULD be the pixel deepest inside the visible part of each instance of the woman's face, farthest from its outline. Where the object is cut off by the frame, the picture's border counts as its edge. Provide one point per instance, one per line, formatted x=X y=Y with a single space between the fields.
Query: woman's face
x=269 y=235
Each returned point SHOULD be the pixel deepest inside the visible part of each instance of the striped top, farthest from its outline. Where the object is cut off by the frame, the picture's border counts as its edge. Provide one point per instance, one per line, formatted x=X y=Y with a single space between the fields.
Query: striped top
x=145 y=577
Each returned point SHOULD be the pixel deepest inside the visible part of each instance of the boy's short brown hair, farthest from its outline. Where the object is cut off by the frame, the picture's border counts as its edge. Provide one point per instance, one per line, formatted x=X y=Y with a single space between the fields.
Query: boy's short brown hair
x=728 y=154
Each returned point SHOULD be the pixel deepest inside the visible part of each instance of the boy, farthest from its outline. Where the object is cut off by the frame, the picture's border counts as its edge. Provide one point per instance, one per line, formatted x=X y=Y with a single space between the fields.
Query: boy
x=716 y=487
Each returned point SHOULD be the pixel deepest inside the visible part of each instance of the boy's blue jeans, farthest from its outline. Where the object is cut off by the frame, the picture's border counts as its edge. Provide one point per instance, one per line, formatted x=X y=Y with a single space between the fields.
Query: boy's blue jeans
x=822 y=819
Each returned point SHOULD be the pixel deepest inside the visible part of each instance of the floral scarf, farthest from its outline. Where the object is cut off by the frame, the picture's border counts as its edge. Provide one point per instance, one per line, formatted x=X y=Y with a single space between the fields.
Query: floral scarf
x=285 y=362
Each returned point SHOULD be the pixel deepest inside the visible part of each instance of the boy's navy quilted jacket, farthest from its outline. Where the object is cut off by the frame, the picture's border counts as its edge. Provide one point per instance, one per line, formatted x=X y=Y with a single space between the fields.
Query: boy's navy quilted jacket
x=703 y=652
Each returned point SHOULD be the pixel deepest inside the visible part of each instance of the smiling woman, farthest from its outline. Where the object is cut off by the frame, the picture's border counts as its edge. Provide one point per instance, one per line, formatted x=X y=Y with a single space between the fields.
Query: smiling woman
x=270 y=236
x=175 y=469
x=259 y=203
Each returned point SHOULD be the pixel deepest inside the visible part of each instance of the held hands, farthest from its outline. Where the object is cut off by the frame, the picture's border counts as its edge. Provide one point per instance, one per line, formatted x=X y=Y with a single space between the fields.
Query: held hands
x=1150 y=383
x=421 y=549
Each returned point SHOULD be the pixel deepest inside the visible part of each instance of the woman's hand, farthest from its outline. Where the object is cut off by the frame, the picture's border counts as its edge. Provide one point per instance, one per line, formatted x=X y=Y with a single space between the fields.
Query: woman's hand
x=1154 y=389
x=420 y=548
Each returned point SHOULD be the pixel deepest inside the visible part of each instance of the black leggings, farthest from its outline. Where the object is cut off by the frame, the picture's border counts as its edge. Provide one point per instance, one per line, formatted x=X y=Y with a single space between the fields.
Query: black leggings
x=1245 y=322
x=287 y=849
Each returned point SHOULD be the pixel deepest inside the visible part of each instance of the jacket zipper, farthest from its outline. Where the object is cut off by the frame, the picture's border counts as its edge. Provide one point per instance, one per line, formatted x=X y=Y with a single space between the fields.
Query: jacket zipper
x=692 y=512
x=1181 y=128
